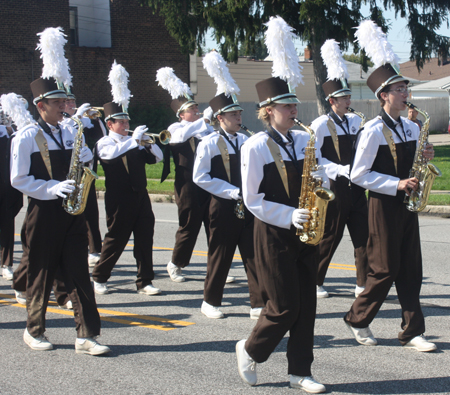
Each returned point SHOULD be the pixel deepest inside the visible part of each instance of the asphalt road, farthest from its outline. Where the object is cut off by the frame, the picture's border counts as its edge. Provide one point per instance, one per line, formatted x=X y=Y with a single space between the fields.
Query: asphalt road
x=164 y=345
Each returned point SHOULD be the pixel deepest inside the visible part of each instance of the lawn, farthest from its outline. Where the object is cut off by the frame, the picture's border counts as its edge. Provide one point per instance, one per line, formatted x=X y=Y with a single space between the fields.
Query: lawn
x=442 y=161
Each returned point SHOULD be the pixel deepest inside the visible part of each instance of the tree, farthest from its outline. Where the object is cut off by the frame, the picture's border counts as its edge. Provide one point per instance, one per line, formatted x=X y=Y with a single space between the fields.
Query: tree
x=257 y=51
x=357 y=59
x=239 y=22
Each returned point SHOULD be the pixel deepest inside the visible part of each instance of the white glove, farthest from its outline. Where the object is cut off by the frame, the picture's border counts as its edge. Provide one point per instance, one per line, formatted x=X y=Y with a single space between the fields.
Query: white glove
x=235 y=194
x=63 y=188
x=208 y=114
x=138 y=132
x=344 y=171
x=82 y=109
x=85 y=155
x=319 y=174
x=299 y=216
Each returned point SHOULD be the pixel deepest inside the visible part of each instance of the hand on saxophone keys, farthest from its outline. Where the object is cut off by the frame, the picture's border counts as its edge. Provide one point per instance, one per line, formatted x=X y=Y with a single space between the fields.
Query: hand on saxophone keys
x=299 y=217
x=85 y=155
x=428 y=152
x=408 y=185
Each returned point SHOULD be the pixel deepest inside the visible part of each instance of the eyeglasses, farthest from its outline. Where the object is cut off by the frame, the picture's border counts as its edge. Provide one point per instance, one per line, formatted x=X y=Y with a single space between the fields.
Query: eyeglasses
x=401 y=90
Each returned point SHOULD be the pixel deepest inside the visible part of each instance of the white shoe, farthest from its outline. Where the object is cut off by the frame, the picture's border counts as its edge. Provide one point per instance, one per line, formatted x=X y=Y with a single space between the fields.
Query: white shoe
x=39 y=343
x=67 y=306
x=211 y=311
x=90 y=346
x=246 y=365
x=419 y=343
x=100 y=288
x=307 y=383
x=363 y=336
x=21 y=297
x=175 y=273
x=230 y=279
x=359 y=291
x=93 y=259
x=255 y=313
x=321 y=293
x=149 y=290
x=7 y=273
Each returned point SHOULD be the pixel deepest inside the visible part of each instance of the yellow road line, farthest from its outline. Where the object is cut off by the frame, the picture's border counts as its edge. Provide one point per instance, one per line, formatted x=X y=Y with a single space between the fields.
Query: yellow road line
x=171 y=324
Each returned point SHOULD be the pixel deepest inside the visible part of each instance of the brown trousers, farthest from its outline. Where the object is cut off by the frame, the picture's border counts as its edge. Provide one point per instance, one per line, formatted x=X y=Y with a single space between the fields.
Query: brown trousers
x=193 y=210
x=226 y=232
x=52 y=240
x=287 y=272
x=125 y=214
x=7 y=240
x=340 y=212
x=92 y=221
x=394 y=257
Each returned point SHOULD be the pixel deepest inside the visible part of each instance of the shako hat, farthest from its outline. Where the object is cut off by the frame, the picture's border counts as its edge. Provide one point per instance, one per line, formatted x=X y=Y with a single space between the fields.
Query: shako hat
x=286 y=70
x=374 y=41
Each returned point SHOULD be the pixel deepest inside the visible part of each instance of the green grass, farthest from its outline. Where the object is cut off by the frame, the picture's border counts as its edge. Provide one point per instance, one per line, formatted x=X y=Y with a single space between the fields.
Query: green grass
x=152 y=171
x=153 y=186
x=442 y=161
x=439 y=200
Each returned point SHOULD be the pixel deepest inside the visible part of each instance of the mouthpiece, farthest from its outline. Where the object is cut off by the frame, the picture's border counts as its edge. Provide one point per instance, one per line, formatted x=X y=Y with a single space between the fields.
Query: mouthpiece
x=410 y=105
x=66 y=114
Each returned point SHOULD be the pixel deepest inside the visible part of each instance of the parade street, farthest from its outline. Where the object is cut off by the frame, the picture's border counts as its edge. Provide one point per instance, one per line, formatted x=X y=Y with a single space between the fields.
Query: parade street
x=164 y=345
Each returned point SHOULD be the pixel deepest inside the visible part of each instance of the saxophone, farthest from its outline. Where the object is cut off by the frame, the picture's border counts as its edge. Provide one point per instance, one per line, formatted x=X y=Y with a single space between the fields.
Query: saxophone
x=313 y=196
x=75 y=202
x=359 y=114
x=422 y=170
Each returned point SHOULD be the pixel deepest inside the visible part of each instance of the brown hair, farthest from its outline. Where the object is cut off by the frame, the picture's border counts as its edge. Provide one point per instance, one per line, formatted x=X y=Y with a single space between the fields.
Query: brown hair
x=385 y=90
x=263 y=115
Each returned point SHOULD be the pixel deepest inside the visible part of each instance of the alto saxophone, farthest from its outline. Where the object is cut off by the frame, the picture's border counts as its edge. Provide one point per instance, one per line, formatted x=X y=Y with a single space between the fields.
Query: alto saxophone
x=75 y=202
x=313 y=196
x=422 y=170
x=359 y=114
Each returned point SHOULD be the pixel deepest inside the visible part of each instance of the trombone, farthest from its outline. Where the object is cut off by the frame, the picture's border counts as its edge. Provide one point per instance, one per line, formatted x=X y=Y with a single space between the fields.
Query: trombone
x=150 y=138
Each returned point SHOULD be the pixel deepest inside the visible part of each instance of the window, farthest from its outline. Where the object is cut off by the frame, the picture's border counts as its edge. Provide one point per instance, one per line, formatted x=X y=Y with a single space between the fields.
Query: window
x=73 y=16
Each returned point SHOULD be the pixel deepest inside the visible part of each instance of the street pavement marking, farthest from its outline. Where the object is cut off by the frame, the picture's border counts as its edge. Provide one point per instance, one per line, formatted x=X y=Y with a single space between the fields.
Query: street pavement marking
x=170 y=324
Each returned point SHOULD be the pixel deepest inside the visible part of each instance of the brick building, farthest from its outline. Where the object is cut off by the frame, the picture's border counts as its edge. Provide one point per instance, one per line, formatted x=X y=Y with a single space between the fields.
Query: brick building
x=98 y=31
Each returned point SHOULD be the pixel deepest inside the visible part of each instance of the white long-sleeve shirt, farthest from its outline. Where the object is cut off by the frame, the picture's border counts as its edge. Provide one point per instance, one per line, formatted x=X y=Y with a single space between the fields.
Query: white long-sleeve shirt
x=184 y=130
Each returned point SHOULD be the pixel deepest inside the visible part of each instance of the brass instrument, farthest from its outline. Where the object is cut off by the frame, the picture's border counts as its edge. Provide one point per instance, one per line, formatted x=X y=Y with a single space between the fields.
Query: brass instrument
x=92 y=112
x=245 y=128
x=150 y=138
x=75 y=202
x=359 y=114
x=422 y=170
x=313 y=196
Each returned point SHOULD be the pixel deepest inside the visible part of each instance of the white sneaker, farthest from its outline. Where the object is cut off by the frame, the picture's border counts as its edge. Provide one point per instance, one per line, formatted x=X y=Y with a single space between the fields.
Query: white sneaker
x=175 y=273
x=21 y=297
x=359 y=291
x=255 y=313
x=149 y=290
x=211 y=311
x=100 y=288
x=230 y=279
x=363 y=336
x=67 y=306
x=307 y=383
x=90 y=346
x=321 y=293
x=419 y=343
x=246 y=365
x=7 y=273
x=39 y=343
x=93 y=259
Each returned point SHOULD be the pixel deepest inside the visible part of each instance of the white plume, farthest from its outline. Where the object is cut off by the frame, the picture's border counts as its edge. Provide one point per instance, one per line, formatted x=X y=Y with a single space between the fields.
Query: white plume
x=332 y=57
x=217 y=68
x=374 y=41
x=51 y=45
x=14 y=105
x=170 y=82
x=279 y=40
x=118 y=77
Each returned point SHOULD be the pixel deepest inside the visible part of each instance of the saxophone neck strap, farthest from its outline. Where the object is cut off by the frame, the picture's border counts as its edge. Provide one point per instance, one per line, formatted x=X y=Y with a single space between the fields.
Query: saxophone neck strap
x=277 y=138
x=340 y=122
x=60 y=144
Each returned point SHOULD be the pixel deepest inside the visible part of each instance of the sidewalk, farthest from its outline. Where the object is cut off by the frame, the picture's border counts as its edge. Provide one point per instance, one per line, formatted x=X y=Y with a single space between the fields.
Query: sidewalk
x=439 y=139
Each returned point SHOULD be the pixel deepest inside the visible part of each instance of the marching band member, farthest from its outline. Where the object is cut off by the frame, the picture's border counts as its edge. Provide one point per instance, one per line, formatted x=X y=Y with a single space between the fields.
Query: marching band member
x=217 y=170
x=336 y=136
x=384 y=157
x=192 y=201
x=54 y=239
x=127 y=204
x=272 y=168
x=93 y=130
x=11 y=200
